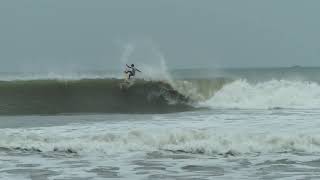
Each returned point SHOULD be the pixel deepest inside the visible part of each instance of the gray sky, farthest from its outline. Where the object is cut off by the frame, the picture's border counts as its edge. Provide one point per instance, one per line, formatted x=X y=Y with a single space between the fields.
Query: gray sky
x=92 y=34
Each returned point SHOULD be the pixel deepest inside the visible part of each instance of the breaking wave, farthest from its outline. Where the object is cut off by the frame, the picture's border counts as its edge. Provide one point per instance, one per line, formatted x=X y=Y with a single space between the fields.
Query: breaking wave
x=174 y=140
x=271 y=94
x=105 y=95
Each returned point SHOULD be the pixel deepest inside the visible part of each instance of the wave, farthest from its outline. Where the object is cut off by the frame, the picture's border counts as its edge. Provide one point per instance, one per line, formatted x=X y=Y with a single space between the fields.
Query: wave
x=171 y=140
x=105 y=95
x=89 y=96
x=200 y=89
x=273 y=94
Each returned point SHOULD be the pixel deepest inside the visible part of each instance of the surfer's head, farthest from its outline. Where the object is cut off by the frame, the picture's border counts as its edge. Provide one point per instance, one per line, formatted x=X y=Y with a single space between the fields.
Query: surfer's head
x=132 y=65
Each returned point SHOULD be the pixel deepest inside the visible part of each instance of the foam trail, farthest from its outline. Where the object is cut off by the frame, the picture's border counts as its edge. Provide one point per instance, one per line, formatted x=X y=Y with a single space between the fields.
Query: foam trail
x=96 y=141
x=265 y=95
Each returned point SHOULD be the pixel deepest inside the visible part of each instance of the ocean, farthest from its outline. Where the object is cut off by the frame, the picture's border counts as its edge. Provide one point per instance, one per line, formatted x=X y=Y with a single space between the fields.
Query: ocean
x=245 y=123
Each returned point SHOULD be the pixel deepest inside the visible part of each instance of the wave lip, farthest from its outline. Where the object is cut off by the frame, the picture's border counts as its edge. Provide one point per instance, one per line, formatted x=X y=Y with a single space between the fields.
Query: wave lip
x=89 y=96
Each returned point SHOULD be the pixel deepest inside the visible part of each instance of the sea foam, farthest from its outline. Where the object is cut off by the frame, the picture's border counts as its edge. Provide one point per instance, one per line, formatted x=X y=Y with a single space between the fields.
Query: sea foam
x=241 y=94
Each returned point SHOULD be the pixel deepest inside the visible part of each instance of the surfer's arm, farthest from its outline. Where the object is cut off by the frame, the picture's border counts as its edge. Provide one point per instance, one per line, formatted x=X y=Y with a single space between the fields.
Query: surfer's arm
x=128 y=66
x=138 y=70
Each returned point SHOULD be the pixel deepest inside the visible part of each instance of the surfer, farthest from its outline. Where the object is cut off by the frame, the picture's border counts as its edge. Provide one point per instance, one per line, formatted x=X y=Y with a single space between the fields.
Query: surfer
x=131 y=70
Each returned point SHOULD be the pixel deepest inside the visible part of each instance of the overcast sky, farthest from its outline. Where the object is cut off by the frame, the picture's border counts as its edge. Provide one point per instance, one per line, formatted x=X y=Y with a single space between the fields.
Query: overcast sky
x=96 y=34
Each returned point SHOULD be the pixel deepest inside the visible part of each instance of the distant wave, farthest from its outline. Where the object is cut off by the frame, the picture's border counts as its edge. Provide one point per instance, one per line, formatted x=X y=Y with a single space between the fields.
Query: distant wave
x=58 y=76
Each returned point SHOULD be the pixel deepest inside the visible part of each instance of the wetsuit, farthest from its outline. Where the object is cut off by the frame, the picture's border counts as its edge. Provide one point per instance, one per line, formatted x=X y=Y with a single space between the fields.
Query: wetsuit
x=132 y=71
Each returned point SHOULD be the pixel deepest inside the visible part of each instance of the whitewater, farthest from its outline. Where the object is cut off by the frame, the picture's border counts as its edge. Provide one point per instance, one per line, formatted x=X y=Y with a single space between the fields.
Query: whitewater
x=199 y=124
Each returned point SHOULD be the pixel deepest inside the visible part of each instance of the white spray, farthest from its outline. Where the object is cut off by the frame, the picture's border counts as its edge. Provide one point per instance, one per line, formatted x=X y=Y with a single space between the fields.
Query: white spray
x=265 y=95
x=146 y=58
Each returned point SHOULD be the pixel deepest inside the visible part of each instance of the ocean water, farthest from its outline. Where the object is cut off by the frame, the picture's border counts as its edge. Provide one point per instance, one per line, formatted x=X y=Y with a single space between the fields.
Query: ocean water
x=199 y=124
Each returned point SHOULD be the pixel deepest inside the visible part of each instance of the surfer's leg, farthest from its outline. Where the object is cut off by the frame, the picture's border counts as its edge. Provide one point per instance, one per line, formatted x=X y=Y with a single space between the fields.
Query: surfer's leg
x=130 y=74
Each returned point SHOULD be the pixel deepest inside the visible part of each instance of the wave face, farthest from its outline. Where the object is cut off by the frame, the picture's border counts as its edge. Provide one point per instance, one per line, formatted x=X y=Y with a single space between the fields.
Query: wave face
x=290 y=94
x=200 y=89
x=20 y=97
x=89 y=96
